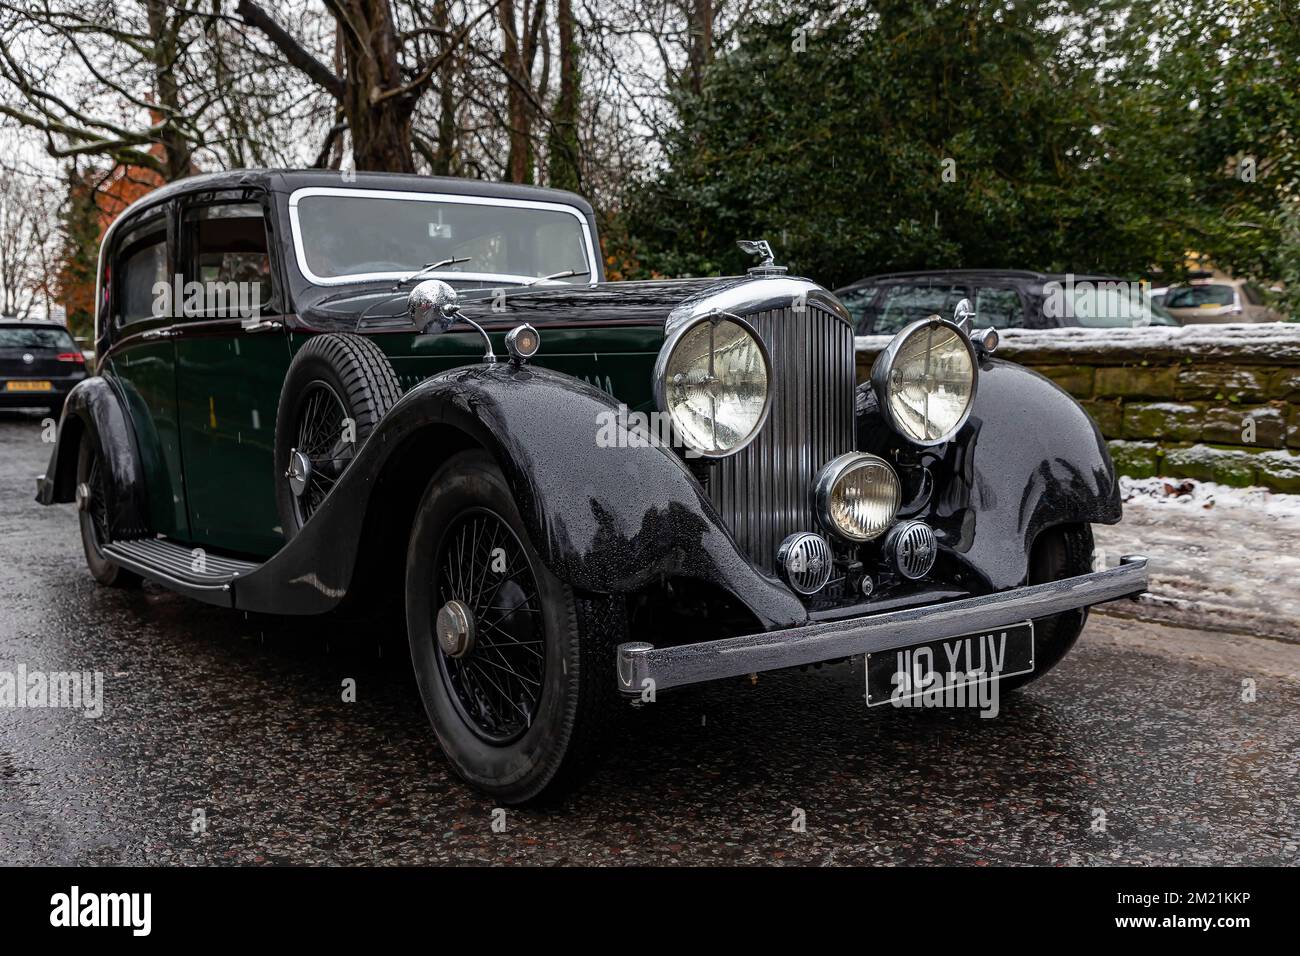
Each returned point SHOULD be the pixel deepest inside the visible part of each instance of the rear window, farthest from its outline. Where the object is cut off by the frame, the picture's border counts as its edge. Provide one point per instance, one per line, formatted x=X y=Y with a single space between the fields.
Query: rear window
x=1200 y=296
x=37 y=339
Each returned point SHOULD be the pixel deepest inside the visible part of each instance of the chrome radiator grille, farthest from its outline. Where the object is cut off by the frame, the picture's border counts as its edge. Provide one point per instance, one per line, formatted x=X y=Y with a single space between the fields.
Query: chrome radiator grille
x=764 y=492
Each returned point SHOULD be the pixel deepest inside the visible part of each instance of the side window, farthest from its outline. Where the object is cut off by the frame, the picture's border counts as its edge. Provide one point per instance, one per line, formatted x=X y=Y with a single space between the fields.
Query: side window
x=999 y=308
x=1200 y=297
x=142 y=263
x=1113 y=305
x=900 y=305
x=1254 y=294
x=226 y=252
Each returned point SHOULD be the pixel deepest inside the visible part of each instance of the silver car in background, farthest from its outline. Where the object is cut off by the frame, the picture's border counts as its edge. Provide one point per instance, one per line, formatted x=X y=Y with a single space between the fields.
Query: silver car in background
x=1206 y=300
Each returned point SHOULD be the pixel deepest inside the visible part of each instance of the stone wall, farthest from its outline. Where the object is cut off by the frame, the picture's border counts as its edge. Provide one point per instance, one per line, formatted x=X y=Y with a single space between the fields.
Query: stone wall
x=1212 y=402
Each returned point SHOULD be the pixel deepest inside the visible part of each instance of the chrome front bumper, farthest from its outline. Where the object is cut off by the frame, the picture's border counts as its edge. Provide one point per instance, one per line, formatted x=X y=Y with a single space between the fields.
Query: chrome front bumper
x=832 y=640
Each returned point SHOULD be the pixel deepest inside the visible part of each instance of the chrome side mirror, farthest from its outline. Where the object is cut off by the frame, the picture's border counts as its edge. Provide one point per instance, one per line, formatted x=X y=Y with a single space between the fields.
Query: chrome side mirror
x=433 y=305
x=435 y=308
x=963 y=314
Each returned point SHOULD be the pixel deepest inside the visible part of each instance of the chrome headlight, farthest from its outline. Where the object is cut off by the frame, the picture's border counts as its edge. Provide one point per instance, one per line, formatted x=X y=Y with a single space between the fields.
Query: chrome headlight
x=858 y=496
x=925 y=381
x=712 y=378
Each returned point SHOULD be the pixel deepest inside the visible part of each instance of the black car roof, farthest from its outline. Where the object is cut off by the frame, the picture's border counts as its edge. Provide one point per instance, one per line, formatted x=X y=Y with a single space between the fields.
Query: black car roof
x=1028 y=274
x=287 y=180
x=11 y=321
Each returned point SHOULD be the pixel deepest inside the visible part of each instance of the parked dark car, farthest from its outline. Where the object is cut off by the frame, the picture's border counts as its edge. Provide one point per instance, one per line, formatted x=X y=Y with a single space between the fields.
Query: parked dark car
x=39 y=364
x=1002 y=299
x=665 y=483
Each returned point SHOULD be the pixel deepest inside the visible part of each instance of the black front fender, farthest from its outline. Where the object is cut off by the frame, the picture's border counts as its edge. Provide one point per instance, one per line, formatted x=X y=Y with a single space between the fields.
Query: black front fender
x=1028 y=458
x=93 y=407
x=604 y=519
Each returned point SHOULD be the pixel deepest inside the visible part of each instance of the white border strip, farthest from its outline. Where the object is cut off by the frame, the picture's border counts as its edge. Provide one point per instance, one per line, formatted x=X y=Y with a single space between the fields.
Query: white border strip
x=306 y=191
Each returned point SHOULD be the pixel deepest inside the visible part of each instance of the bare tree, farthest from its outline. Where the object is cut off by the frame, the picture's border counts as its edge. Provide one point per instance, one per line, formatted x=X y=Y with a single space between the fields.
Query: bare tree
x=28 y=239
x=166 y=86
x=379 y=76
x=120 y=52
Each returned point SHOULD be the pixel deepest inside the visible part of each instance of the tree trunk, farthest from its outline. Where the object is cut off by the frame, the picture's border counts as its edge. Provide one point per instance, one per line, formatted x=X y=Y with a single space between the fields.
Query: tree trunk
x=163 y=32
x=517 y=62
x=564 y=171
x=378 y=112
x=446 y=145
x=701 y=43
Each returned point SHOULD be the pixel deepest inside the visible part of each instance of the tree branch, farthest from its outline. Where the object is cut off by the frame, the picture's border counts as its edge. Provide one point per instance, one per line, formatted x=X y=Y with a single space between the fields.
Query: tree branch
x=297 y=55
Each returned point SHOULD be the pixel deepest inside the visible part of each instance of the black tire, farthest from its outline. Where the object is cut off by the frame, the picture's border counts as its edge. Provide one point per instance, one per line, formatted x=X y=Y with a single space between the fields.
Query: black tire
x=92 y=516
x=342 y=373
x=562 y=730
x=1061 y=552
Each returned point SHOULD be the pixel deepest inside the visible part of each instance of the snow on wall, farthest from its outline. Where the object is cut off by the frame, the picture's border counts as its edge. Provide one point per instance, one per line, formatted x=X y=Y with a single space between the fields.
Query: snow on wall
x=1211 y=402
x=1270 y=342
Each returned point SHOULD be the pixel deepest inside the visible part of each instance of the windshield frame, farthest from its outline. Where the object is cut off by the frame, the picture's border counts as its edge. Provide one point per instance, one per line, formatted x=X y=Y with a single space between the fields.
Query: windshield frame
x=300 y=253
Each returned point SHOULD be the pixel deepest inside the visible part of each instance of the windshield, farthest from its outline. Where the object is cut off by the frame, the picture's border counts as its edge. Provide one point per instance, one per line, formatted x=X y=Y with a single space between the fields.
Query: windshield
x=343 y=235
x=36 y=339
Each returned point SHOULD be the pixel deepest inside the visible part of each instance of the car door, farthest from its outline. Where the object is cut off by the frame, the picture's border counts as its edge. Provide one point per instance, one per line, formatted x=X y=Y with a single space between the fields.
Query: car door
x=141 y=360
x=232 y=354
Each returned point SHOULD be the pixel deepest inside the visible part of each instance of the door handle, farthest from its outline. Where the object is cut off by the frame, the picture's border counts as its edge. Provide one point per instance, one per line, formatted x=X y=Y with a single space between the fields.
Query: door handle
x=158 y=334
x=265 y=325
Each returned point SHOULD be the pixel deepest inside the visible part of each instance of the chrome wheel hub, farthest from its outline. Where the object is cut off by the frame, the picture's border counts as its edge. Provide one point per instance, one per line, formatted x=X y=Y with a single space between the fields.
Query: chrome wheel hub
x=455 y=626
x=298 y=473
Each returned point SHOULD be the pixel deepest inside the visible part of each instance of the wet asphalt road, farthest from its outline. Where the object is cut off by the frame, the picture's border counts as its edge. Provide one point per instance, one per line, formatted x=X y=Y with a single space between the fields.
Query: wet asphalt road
x=1143 y=727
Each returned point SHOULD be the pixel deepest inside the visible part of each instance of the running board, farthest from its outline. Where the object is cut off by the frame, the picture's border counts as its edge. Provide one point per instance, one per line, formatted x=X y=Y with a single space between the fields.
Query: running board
x=194 y=572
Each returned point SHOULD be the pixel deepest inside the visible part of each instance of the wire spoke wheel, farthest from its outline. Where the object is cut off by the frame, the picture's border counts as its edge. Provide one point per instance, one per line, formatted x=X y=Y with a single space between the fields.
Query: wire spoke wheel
x=320 y=440
x=96 y=507
x=496 y=675
x=94 y=484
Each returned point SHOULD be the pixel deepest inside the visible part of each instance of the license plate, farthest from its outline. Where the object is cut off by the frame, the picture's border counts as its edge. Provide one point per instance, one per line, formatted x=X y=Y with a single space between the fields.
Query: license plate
x=28 y=386
x=909 y=672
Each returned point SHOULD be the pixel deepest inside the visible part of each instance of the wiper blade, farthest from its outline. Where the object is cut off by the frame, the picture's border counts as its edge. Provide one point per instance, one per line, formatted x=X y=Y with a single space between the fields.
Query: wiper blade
x=430 y=267
x=565 y=274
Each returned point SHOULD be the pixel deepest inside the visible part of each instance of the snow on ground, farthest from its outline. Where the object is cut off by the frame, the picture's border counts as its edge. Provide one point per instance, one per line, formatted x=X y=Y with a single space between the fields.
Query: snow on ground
x=1221 y=557
x=1281 y=339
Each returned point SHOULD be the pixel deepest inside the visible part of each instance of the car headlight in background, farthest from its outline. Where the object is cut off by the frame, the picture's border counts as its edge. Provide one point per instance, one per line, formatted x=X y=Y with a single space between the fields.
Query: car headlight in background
x=925 y=381
x=858 y=496
x=712 y=377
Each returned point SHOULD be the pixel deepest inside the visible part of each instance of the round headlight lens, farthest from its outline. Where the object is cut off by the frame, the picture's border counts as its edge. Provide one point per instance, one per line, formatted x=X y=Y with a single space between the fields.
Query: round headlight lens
x=926 y=381
x=858 y=496
x=712 y=379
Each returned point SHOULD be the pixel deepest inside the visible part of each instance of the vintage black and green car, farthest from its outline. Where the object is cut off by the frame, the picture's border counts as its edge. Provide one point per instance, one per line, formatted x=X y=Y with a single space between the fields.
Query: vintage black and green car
x=320 y=393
